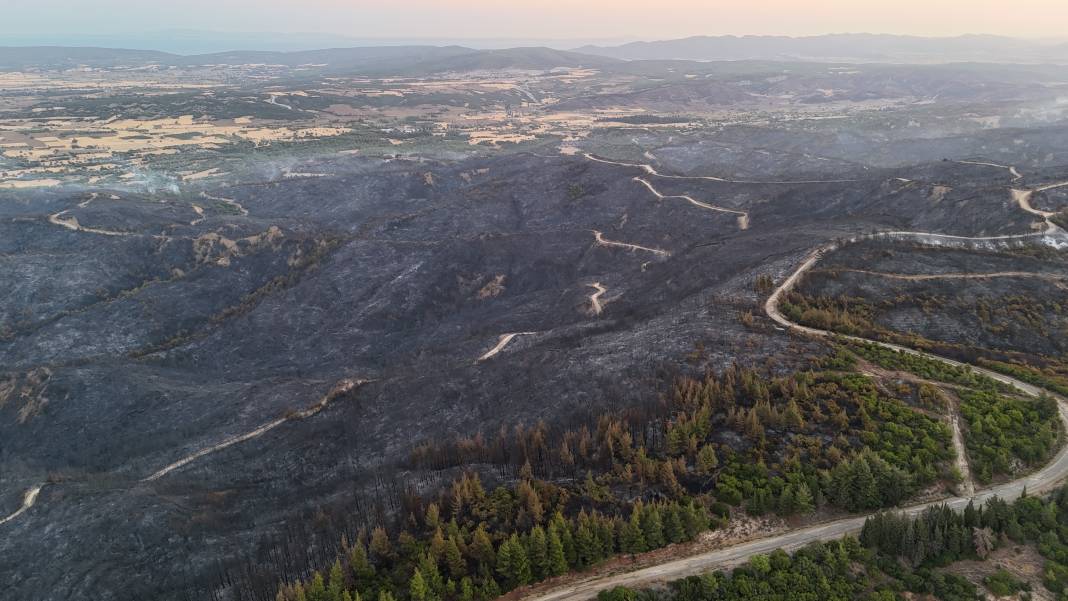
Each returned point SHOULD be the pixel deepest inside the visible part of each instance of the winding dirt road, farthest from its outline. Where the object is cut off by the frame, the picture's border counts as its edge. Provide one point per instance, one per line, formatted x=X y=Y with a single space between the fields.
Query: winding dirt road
x=228 y=201
x=595 y=298
x=1012 y=169
x=650 y=170
x=71 y=223
x=743 y=217
x=1044 y=480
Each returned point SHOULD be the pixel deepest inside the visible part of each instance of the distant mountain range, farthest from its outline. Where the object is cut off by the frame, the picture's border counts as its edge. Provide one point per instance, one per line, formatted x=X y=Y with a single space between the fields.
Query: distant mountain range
x=418 y=60
x=408 y=60
x=193 y=41
x=860 y=47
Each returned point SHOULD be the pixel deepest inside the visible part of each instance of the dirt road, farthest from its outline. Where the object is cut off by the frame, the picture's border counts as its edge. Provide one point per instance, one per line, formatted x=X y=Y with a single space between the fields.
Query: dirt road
x=649 y=169
x=595 y=298
x=922 y=277
x=967 y=484
x=71 y=223
x=340 y=388
x=1046 y=479
x=501 y=343
x=743 y=217
x=28 y=499
x=602 y=241
x=1012 y=170
x=229 y=201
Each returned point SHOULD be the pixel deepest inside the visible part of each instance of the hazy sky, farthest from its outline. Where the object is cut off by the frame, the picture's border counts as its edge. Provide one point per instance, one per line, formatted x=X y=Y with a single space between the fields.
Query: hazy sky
x=549 y=19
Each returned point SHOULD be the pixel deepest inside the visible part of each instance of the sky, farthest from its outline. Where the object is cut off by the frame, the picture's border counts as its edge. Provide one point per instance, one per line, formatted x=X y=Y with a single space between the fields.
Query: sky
x=540 y=19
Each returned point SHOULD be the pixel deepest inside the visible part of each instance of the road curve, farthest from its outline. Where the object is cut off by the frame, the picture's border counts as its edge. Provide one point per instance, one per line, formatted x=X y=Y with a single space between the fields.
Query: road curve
x=71 y=223
x=501 y=343
x=602 y=241
x=28 y=499
x=1011 y=168
x=595 y=299
x=1044 y=480
x=743 y=217
x=650 y=170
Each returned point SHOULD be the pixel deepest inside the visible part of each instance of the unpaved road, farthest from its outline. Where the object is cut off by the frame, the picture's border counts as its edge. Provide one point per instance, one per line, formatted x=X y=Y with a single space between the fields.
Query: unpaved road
x=229 y=201
x=922 y=277
x=71 y=223
x=602 y=241
x=595 y=298
x=273 y=99
x=501 y=343
x=743 y=217
x=1044 y=480
x=649 y=169
x=967 y=484
x=1012 y=169
x=340 y=388
x=28 y=499
x=1051 y=186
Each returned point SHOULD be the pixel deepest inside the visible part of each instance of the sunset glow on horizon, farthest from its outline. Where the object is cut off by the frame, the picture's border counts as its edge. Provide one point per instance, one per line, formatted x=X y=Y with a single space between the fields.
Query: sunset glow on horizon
x=547 y=19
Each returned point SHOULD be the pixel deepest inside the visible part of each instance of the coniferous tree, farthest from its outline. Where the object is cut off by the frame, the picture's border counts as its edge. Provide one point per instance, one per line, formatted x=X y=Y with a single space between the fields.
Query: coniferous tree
x=539 y=553
x=454 y=559
x=512 y=563
x=557 y=560
x=707 y=460
x=418 y=588
x=632 y=539
x=587 y=546
x=361 y=567
x=317 y=589
x=803 y=499
x=673 y=529
x=482 y=547
x=336 y=582
x=467 y=589
x=528 y=498
x=437 y=544
x=433 y=515
x=652 y=527
x=428 y=566
x=380 y=545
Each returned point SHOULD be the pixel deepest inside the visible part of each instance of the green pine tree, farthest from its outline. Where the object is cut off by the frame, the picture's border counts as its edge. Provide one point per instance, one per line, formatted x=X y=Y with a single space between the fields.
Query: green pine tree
x=512 y=563
x=673 y=529
x=803 y=499
x=336 y=584
x=360 y=565
x=317 y=589
x=652 y=527
x=707 y=460
x=538 y=551
x=557 y=560
x=418 y=589
x=454 y=559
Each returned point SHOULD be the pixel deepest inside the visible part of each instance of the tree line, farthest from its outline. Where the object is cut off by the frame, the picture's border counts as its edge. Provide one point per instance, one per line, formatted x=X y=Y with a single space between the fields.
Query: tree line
x=638 y=480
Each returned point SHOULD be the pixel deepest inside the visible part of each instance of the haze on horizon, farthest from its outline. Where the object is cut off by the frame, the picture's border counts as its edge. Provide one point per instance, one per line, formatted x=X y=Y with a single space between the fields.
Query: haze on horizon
x=545 y=19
